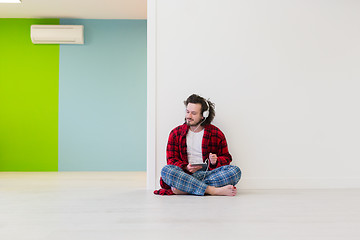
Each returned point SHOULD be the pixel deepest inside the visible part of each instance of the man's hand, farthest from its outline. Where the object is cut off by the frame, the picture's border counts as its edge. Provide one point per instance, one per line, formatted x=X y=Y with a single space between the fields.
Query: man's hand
x=193 y=169
x=213 y=158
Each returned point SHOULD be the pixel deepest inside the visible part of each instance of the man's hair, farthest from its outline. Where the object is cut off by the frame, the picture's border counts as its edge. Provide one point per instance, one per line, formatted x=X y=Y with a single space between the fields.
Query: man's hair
x=194 y=98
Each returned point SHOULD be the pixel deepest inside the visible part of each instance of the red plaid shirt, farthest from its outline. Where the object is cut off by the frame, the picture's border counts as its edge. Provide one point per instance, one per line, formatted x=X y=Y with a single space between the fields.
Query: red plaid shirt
x=213 y=142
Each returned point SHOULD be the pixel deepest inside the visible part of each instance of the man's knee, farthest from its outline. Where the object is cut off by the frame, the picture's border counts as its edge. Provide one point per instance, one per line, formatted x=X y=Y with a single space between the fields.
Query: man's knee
x=168 y=169
x=237 y=172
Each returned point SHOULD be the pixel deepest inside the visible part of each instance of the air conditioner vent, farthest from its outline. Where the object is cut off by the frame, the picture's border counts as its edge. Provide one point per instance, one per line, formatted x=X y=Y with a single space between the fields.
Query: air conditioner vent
x=57 y=34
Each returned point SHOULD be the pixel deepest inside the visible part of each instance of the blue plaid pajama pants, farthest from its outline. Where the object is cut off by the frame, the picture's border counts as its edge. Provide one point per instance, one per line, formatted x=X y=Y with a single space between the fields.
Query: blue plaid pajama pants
x=197 y=183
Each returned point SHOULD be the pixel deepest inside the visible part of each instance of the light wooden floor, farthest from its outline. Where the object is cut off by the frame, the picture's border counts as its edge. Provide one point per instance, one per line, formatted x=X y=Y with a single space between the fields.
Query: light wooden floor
x=115 y=205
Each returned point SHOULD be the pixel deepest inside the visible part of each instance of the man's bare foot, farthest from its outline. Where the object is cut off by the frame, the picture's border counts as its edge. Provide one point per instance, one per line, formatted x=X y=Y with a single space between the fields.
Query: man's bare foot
x=178 y=192
x=228 y=190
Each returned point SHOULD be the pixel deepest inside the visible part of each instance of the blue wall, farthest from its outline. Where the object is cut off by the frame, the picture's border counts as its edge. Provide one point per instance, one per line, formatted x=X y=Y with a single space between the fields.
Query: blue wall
x=102 y=99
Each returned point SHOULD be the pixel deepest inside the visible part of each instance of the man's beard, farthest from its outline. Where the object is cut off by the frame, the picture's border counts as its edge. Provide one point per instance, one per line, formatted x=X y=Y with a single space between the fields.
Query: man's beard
x=192 y=123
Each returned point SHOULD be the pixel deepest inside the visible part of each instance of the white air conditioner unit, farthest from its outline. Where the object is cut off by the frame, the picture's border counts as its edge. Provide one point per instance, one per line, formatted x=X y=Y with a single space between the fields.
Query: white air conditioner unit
x=57 y=34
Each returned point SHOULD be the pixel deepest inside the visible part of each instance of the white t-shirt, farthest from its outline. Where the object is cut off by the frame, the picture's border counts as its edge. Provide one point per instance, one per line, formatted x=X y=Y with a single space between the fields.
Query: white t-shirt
x=194 y=146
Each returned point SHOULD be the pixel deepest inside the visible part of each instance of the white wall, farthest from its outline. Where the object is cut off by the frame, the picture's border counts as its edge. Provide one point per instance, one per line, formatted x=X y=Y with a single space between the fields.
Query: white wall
x=284 y=76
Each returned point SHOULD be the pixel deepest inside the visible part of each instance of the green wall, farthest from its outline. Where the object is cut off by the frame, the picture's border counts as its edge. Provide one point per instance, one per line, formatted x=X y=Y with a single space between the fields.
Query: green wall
x=29 y=80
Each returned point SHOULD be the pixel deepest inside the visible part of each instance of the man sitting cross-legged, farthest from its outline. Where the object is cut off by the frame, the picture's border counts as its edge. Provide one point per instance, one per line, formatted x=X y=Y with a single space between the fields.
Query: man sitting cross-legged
x=198 y=141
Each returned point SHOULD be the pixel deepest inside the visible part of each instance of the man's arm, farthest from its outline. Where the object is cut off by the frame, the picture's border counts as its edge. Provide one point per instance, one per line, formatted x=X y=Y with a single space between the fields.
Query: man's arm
x=173 y=151
x=223 y=156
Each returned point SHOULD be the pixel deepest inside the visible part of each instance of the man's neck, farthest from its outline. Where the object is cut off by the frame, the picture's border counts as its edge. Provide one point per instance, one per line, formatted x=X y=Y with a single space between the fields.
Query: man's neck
x=197 y=128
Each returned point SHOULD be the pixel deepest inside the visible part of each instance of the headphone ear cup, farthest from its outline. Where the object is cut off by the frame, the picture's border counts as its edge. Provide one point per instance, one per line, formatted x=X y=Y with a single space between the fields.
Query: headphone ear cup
x=205 y=114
